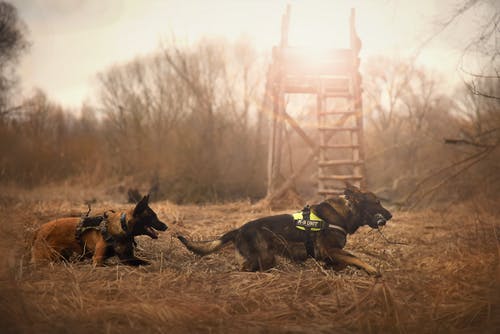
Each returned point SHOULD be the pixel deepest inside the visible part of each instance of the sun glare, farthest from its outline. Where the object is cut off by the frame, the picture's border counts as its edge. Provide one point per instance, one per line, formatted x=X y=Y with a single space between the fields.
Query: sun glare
x=316 y=33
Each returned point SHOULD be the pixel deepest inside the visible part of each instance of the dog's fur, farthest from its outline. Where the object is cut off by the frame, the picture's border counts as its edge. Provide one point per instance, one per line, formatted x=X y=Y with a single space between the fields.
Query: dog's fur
x=56 y=239
x=259 y=241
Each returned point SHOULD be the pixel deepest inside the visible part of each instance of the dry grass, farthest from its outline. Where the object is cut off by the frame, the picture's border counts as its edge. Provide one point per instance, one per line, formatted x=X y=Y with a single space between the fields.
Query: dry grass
x=445 y=280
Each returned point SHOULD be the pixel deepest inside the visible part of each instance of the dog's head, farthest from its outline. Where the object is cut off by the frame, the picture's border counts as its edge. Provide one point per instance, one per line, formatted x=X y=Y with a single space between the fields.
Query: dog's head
x=367 y=206
x=144 y=220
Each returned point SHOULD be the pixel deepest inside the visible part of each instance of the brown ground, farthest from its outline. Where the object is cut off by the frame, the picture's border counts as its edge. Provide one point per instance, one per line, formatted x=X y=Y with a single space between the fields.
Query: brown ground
x=445 y=279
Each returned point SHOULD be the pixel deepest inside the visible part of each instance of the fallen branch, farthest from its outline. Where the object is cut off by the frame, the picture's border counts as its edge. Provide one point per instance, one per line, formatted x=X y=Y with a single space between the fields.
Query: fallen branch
x=480 y=154
x=465 y=142
x=452 y=176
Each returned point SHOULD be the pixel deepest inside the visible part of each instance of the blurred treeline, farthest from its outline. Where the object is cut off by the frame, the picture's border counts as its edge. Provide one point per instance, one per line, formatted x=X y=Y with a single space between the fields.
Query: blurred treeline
x=428 y=140
x=187 y=123
x=182 y=121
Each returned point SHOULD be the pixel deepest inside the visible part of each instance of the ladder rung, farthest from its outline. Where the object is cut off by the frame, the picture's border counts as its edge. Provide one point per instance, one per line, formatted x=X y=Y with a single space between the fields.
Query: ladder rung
x=335 y=76
x=327 y=163
x=300 y=89
x=330 y=191
x=338 y=128
x=340 y=146
x=339 y=112
x=345 y=95
x=322 y=77
x=341 y=177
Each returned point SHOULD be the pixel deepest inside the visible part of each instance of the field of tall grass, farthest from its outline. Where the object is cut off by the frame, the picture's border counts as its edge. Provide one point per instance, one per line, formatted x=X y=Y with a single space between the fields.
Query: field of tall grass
x=440 y=273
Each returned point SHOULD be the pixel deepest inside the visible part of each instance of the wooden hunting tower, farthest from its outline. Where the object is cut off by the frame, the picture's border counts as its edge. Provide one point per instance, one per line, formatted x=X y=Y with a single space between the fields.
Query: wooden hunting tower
x=337 y=144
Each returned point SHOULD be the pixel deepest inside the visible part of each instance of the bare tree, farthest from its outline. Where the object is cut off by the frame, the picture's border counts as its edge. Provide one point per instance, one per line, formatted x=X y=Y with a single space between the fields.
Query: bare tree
x=222 y=82
x=408 y=117
x=385 y=83
x=142 y=103
x=483 y=47
x=12 y=44
x=201 y=72
x=477 y=140
x=187 y=113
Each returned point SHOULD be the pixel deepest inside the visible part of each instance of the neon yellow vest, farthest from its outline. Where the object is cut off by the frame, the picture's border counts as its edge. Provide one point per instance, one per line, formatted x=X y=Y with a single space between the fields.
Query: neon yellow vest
x=315 y=220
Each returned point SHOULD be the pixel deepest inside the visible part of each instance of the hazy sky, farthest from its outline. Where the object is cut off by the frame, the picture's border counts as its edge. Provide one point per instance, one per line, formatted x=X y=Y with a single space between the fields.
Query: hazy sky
x=73 y=40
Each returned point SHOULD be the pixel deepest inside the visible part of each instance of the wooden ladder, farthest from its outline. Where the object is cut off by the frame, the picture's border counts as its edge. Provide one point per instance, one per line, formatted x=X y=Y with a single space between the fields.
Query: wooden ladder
x=334 y=78
x=340 y=127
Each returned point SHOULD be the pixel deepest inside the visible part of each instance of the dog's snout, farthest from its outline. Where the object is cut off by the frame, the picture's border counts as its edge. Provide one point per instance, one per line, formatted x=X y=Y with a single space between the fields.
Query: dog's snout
x=160 y=226
x=380 y=219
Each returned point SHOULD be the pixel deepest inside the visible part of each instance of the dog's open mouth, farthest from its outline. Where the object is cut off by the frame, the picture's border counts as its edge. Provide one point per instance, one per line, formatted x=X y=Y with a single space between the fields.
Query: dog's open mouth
x=378 y=220
x=150 y=232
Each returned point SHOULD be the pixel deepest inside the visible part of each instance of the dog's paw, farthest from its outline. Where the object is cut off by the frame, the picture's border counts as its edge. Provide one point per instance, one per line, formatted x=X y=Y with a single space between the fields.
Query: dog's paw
x=373 y=271
x=136 y=262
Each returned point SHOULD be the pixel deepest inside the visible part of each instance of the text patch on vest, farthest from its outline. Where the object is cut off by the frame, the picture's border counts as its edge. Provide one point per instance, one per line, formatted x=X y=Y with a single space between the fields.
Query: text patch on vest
x=314 y=223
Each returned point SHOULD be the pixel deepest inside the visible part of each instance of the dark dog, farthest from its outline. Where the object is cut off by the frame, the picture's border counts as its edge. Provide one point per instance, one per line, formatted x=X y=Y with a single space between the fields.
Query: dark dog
x=101 y=236
x=323 y=233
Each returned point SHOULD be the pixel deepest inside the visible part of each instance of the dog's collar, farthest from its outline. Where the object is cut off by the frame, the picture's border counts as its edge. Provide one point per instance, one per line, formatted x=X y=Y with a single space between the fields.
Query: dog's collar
x=336 y=227
x=123 y=221
x=348 y=204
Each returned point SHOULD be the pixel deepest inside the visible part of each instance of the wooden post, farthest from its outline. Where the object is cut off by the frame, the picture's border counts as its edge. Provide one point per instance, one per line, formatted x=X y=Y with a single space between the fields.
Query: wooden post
x=355 y=46
x=270 y=93
x=278 y=102
x=285 y=23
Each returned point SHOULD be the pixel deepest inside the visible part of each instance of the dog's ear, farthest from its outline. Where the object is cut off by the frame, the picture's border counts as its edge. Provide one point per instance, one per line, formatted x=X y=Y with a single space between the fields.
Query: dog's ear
x=142 y=205
x=350 y=190
x=107 y=213
x=325 y=211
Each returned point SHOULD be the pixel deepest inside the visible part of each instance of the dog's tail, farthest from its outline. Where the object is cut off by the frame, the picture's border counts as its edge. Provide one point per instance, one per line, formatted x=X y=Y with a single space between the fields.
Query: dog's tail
x=30 y=247
x=207 y=247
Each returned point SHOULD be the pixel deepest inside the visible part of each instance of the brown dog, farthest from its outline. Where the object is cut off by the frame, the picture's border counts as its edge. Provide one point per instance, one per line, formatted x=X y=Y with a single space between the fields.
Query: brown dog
x=99 y=236
x=322 y=229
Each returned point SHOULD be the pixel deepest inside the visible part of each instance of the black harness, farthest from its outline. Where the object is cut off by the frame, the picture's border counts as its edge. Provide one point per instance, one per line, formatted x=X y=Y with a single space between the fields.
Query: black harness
x=99 y=223
x=89 y=223
x=311 y=224
x=306 y=214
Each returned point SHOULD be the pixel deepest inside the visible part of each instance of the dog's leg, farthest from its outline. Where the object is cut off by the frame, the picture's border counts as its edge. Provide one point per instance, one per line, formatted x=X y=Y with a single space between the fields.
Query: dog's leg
x=126 y=255
x=246 y=258
x=257 y=253
x=99 y=253
x=335 y=265
x=240 y=259
x=342 y=257
x=135 y=261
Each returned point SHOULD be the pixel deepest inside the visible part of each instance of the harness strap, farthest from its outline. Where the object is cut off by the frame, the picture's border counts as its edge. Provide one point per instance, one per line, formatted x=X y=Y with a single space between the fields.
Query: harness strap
x=306 y=216
x=88 y=223
x=104 y=232
x=309 y=244
x=123 y=221
x=99 y=223
x=306 y=213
